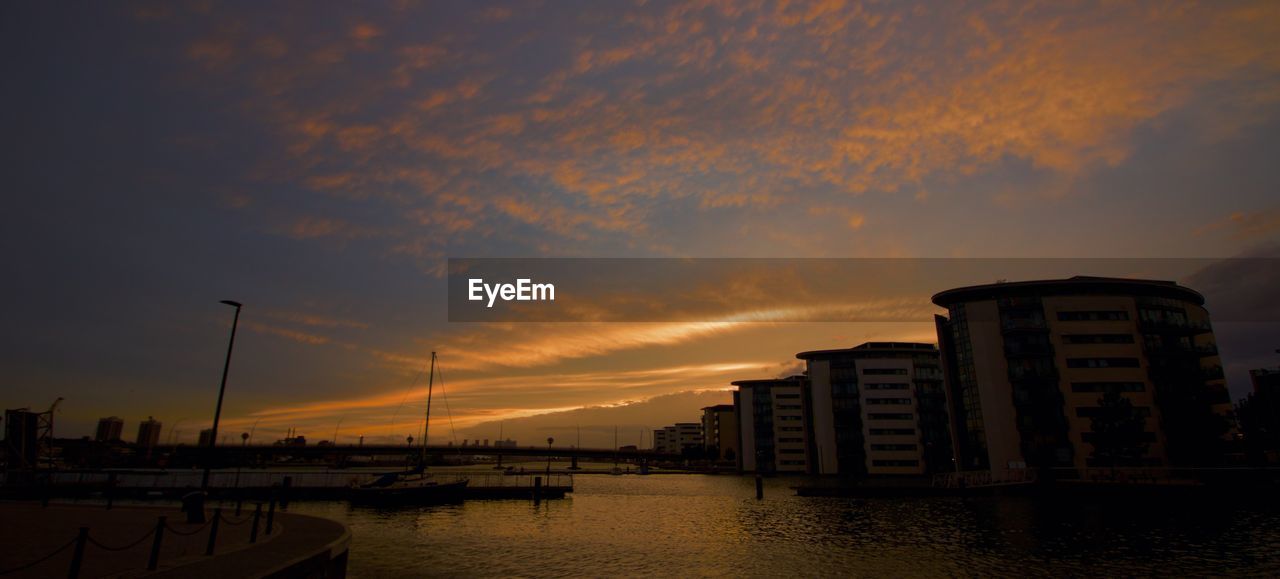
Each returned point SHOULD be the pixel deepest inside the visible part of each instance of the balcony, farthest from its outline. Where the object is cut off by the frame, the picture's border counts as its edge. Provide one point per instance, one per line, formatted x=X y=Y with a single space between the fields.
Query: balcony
x=1179 y=350
x=1213 y=373
x=1023 y=325
x=1028 y=350
x=1165 y=326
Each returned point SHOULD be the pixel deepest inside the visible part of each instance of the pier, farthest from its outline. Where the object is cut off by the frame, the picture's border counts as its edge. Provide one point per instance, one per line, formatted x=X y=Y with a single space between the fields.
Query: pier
x=262 y=485
x=94 y=541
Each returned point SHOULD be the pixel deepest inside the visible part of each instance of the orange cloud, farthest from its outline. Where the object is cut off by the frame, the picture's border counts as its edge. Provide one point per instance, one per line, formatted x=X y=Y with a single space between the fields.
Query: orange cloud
x=1246 y=225
x=295 y=335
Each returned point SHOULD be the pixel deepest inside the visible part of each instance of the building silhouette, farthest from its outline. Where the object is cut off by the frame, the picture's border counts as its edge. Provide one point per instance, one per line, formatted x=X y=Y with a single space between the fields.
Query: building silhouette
x=21 y=438
x=148 y=433
x=773 y=425
x=720 y=432
x=206 y=437
x=879 y=408
x=1081 y=372
x=1265 y=379
x=109 y=429
x=680 y=438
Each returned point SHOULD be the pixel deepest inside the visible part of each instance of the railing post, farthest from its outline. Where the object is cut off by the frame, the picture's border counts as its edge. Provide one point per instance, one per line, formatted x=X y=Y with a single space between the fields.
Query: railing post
x=77 y=558
x=257 y=516
x=271 y=514
x=759 y=487
x=154 y=561
x=239 y=502
x=213 y=531
x=537 y=489
x=111 y=489
x=284 y=493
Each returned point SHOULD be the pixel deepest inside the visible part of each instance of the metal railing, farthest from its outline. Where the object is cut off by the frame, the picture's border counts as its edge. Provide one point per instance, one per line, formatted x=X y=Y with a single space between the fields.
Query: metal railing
x=84 y=539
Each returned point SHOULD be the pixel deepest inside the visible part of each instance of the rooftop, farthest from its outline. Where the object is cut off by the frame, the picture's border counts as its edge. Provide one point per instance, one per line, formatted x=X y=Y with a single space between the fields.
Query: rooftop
x=1078 y=285
x=788 y=381
x=870 y=349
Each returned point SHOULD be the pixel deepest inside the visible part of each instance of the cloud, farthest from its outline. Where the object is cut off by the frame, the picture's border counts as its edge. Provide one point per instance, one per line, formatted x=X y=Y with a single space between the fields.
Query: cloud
x=290 y=334
x=1245 y=225
x=316 y=320
x=742 y=108
x=475 y=401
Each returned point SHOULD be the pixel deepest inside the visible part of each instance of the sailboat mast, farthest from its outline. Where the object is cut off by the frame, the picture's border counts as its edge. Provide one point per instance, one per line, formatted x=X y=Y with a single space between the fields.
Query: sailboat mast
x=427 y=424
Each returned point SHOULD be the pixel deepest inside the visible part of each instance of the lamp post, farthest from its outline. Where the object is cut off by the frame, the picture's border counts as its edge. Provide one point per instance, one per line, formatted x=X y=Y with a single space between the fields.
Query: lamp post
x=222 y=389
x=244 y=441
x=550 y=440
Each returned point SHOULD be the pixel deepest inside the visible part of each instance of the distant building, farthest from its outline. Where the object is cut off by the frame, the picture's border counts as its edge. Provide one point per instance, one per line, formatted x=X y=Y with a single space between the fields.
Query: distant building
x=680 y=438
x=688 y=437
x=879 y=408
x=773 y=424
x=206 y=437
x=508 y=443
x=1265 y=379
x=660 y=440
x=292 y=440
x=1258 y=416
x=148 y=433
x=21 y=438
x=109 y=429
x=720 y=431
x=1034 y=368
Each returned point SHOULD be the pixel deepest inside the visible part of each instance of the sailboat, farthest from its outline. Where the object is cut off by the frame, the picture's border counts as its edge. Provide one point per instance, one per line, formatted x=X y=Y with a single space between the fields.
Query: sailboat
x=415 y=487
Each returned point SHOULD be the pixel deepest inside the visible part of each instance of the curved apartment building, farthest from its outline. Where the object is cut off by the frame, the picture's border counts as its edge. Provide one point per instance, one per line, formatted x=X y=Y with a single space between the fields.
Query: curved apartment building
x=1028 y=365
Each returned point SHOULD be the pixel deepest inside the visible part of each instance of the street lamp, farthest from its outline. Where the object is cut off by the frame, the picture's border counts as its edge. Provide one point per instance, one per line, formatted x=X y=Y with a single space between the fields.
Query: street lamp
x=550 y=440
x=222 y=389
x=244 y=441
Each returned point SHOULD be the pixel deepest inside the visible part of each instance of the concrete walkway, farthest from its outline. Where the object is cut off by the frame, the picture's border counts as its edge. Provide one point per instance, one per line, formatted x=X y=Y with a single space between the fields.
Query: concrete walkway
x=121 y=540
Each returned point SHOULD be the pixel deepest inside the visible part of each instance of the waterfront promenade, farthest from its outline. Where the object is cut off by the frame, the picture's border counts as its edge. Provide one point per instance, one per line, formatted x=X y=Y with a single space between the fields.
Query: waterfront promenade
x=38 y=541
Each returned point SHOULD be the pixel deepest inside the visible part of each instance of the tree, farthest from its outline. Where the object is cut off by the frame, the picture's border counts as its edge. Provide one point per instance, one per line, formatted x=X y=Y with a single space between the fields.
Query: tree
x=1119 y=432
x=1259 y=419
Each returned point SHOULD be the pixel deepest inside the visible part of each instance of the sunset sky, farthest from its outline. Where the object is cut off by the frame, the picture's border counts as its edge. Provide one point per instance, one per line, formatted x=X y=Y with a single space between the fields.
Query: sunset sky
x=319 y=162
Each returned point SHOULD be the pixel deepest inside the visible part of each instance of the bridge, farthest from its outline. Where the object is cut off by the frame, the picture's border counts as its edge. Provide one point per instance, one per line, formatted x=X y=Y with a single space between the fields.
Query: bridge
x=232 y=452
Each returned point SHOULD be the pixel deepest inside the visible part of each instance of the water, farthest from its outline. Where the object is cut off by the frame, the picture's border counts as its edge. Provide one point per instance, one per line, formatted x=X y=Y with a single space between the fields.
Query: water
x=701 y=525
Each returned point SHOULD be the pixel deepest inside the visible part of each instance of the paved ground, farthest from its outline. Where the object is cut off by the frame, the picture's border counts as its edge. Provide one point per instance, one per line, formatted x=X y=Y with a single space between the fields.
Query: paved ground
x=120 y=542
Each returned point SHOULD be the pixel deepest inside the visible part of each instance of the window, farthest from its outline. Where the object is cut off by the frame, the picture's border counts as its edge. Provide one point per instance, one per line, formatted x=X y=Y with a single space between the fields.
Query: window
x=787 y=396
x=894 y=447
x=1094 y=316
x=1107 y=387
x=791 y=462
x=885 y=372
x=889 y=416
x=790 y=451
x=871 y=401
x=895 y=463
x=893 y=431
x=1097 y=338
x=789 y=418
x=887 y=386
x=1092 y=411
x=1144 y=437
x=1102 y=362
x=790 y=440
x=788 y=407
x=791 y=429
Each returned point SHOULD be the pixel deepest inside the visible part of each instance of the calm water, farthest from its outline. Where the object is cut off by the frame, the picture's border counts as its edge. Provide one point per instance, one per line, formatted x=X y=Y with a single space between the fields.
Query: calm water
x=713 y=526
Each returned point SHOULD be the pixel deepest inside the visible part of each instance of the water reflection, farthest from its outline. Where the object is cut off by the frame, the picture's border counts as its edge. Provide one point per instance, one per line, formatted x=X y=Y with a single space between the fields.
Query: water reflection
x=713 y=526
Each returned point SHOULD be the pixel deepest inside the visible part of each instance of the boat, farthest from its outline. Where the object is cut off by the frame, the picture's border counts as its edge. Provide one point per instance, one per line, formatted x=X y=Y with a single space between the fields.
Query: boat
x=409 y=489
x=416 y=486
